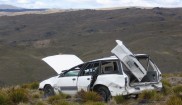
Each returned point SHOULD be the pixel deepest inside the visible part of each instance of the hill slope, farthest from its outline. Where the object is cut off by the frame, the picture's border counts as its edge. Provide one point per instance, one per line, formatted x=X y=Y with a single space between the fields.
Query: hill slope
x=5 y=6
x=90 y=34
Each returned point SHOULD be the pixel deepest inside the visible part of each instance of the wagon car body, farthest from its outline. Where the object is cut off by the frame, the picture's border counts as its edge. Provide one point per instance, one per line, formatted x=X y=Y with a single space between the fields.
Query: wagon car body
x=124 y=73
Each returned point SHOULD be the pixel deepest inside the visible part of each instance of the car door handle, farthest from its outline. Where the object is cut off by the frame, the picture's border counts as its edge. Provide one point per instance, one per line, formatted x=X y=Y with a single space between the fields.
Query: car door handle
x=88 y=78
x=73 y=79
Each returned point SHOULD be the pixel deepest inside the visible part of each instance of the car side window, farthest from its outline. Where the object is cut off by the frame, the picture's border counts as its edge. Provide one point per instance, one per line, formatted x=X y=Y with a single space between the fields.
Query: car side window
x=90 y=68
x=109 y=67
x=73 y=72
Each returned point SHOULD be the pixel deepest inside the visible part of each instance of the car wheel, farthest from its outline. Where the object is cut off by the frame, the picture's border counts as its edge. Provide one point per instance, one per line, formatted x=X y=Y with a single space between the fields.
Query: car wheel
x=48 y=91
x=104 y=93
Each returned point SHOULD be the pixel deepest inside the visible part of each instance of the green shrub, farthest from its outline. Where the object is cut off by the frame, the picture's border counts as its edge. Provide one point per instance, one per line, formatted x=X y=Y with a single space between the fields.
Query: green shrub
x=21 y=103
x=40 y=103
x=94 y=103
x=4 y=99
x=166 y=83
x=89 y=96
x=33 y=85
x=177 y=89
x=180 y=74
x=61 y=102
x=166 y=75
x=150 y=95
x=25 y=86
x=63 y=96
x=119 y=99
x=18 y=95
x=167 y=90
x=36 y=95
x=174 y=100
x=56 y=98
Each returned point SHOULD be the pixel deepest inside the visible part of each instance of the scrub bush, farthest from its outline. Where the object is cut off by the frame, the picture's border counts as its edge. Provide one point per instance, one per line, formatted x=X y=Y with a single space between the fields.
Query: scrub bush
x=166 y=83
x=4 y=99
x=177 y=89
x=56 y=98
x=21 y=103
x=33 y=85
x=36 y=96
x=174 y=100
x=89 y=96
x=18 y=95
x=166 y=90
x=61 y=102
x=150 y=95
x=41 y=103
x=119 y=99
x=94 y=103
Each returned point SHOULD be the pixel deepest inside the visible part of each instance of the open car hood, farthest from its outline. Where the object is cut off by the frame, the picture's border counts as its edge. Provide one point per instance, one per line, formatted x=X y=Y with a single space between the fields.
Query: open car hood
x=128 y=58
x=62 y=62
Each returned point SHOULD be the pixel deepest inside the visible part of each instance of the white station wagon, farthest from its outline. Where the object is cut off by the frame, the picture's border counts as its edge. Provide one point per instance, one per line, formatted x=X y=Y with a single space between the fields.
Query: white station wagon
x=123 y=74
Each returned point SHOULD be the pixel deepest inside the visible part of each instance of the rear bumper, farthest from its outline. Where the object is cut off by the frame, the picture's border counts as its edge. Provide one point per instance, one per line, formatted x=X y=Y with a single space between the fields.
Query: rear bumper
x=138 y=89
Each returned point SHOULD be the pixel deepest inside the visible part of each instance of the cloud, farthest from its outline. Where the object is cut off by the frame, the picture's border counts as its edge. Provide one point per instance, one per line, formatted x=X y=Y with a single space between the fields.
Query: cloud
x=23 y=1
x=91 y=3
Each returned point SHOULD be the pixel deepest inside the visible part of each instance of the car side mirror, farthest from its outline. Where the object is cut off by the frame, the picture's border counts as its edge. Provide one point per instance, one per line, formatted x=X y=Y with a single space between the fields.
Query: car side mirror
x=61 y=75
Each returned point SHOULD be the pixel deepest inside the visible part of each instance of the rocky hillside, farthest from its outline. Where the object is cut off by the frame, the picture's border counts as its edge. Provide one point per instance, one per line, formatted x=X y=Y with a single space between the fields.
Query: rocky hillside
x=90 y=34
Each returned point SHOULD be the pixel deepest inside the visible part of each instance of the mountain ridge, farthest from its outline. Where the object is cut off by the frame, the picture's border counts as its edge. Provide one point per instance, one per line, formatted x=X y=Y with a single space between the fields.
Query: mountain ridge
x=7 y=6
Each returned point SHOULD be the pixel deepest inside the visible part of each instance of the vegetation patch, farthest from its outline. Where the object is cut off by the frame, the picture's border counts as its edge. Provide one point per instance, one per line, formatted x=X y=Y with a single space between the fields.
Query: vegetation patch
x=150 y=95
x=94 y=103
x=89 y=96
x=61 y=102
x=28 y=94
x=119 y=99
x=178 y=90
x=57 y=98
x=174 y=100
x=4 y=99
x=166 y=90
x=166 y=83
x=18 y=95
x=33 y=85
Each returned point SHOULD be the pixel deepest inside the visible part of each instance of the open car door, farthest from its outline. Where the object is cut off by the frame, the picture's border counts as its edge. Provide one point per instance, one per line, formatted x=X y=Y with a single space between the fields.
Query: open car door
x=129 y=60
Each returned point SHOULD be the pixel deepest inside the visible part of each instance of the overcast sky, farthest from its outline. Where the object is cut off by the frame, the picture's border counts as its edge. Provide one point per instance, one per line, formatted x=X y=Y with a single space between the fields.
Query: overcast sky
x=67 y=4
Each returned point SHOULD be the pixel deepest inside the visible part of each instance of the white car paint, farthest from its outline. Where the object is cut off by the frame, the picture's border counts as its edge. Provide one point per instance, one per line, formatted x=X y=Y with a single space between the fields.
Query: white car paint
x=116 y=83
x=129 y=60
x=62 y=62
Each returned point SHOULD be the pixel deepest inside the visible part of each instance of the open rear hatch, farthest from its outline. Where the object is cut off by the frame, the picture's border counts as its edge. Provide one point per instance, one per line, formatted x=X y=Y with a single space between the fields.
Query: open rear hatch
x=128 y=58
x=62 y=62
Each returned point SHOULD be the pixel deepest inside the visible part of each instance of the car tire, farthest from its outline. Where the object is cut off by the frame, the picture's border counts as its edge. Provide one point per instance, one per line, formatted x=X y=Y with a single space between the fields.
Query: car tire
x=48 y=91
x=104 y=93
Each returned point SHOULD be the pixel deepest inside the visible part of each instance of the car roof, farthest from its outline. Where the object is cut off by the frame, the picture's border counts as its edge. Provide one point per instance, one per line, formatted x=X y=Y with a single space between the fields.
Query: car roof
x=106 y=58
x=115 y=58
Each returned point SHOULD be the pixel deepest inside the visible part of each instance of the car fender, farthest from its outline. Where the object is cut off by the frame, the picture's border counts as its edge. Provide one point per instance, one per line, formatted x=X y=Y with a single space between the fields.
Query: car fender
x=114 y=82
x=51 y=81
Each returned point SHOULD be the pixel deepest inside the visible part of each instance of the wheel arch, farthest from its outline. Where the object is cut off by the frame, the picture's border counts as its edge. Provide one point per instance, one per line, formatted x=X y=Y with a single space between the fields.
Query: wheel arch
x=46 y=85
x=100 y=85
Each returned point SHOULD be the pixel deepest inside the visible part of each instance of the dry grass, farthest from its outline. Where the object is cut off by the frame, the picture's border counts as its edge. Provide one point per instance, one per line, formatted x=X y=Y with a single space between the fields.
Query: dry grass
x=89 y=96
x=18 y=95
x=119 y=99
x=33 y=85
x=150 y=95
x=174 y=100
x=29 y=95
